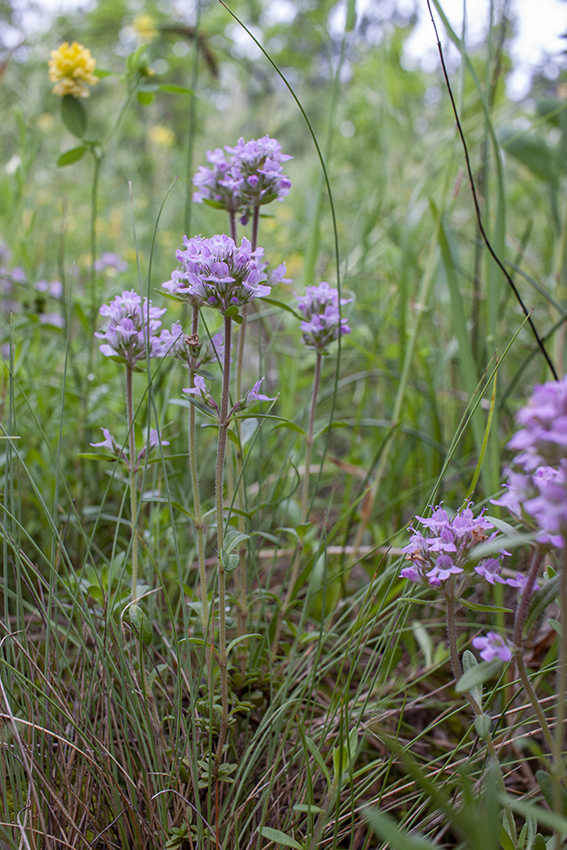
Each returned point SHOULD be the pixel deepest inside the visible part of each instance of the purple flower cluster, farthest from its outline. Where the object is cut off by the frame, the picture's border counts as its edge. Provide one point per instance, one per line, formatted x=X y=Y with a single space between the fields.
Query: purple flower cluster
x=538 y=494
x=493 y=646
x=133 y=324
x=217 y=273
x=445 y=550
x=121 y=454
x=323 y=322
x=109 y=261
x=53 y=288
x=189 y=349
x=250 y=177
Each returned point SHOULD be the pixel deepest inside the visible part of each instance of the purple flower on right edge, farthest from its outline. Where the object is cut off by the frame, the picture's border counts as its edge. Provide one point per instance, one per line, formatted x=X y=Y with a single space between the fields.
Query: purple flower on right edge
x=538 y=493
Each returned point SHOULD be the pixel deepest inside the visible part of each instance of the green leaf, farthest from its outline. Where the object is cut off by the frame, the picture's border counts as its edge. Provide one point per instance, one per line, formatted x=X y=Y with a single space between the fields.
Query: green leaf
x=477 y=675
x=389 y=830
x=98 y=72
x=238 y=512
x=217 y=206
x=501 y=525
x=74 y=115
x=482 y=724
x=231 y=312
x=541 y=599
x=282 y=306
x=491 y=609
x=550 y=108
x=73 y=155
x=484 y=550
x=145 y=97
x=240 y=638
x=305 y=808
x=175 y=89
x=229 y=562
x=533 y=152
x=95 y=456
x=291 y=426
x=179 y=507
x=267 y=199
x=141 y=624
x=232 y=540
x=279 y=837
x=469 y=663
x=549 y=819
x=318 y=758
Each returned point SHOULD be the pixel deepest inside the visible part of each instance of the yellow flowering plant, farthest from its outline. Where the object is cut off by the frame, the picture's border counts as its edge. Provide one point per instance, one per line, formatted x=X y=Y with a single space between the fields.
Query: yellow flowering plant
x=71 y=67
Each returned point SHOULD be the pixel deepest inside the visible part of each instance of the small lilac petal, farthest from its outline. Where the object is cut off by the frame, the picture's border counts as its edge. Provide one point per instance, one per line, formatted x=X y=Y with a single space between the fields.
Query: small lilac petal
x=493 y=646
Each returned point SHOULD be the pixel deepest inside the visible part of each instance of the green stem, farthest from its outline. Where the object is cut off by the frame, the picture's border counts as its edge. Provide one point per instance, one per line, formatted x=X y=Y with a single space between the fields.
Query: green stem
x=133 y=494
x=242 y=588
x=304 y=505
x=219 y=477
x=93 y=279
x=196 y=495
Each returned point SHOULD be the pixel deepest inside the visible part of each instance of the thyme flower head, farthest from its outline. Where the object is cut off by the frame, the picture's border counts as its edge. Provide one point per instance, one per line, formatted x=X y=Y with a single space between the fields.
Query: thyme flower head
x=218 y=273
x=251 y=177
x=538 y=492
x=444 y=550
x=71 y=66
x=132 y=324
x=323 y=321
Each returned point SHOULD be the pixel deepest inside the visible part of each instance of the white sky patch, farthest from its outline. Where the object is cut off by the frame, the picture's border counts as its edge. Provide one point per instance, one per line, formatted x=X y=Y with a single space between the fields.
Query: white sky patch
x=538 y=27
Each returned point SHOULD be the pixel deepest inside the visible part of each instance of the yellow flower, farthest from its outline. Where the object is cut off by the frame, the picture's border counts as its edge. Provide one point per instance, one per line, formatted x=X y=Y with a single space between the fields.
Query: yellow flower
x=144 y=26
x=162 y=136
x=71 y=67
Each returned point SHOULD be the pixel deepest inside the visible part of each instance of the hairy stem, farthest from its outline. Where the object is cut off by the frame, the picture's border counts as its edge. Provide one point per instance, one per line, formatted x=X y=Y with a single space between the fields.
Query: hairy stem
x=133 y=494
x=219 y=477
x=241 y=582
x=524 y=604
x=196 y=494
